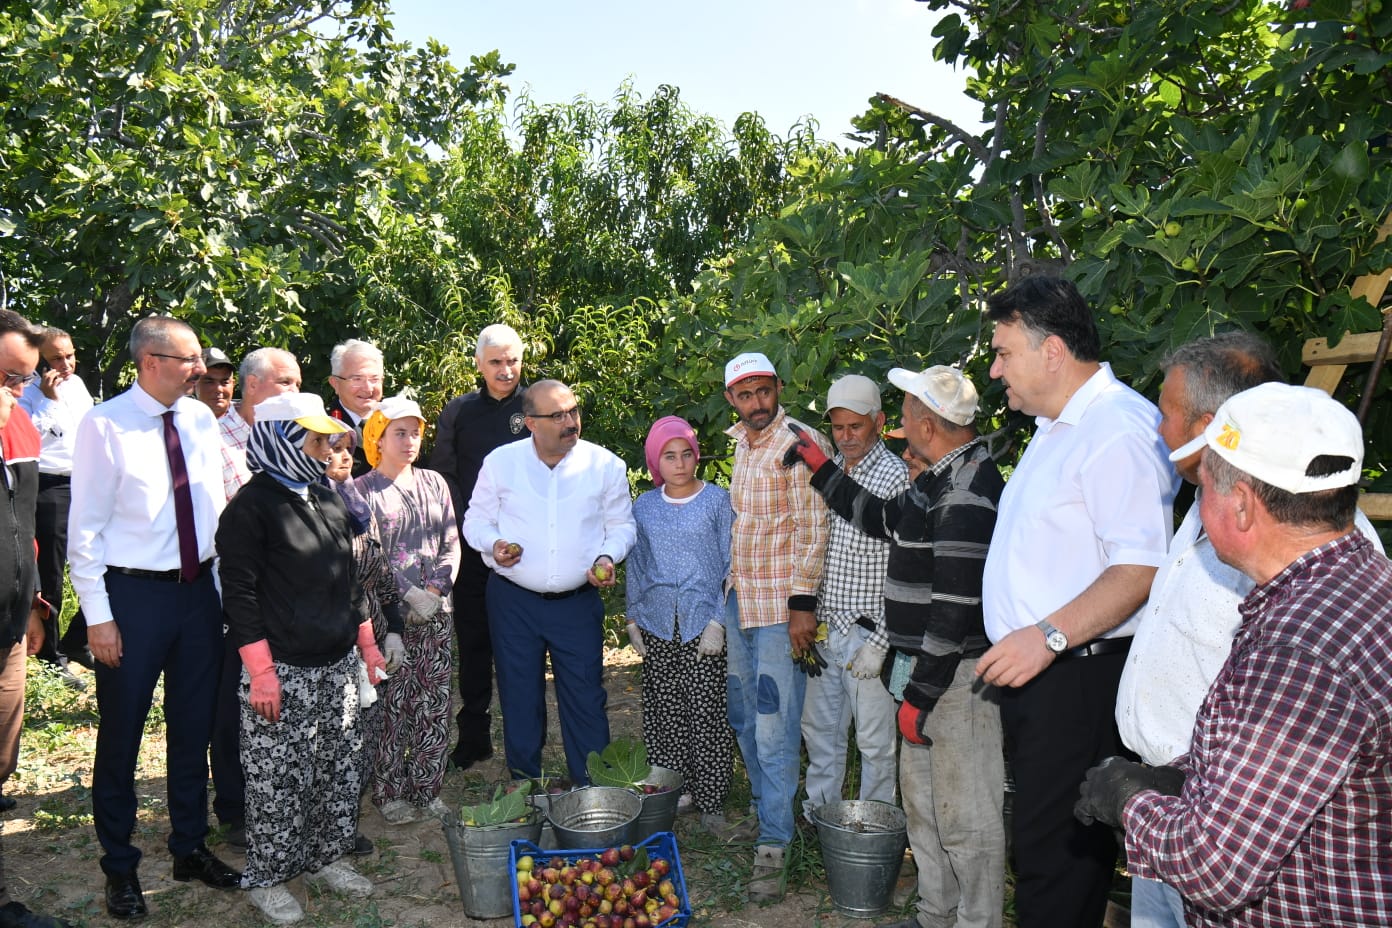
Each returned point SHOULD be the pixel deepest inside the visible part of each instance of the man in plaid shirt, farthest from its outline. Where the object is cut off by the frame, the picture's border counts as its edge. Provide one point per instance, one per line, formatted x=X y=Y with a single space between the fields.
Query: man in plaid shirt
x=776 y=553
x=852 y=606
x=1281 y=812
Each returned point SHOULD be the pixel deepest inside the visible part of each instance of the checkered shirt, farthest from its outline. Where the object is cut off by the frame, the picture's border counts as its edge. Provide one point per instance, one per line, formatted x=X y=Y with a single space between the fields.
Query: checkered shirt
x=853 y=580
x=1286 y=814
x=236 y=433
x=780 y=531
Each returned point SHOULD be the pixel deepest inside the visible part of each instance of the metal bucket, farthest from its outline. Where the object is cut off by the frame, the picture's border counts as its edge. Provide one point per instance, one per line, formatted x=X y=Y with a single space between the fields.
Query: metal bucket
x=659 y=809
x=481 y=866
x=863 y=845
x=594 y=816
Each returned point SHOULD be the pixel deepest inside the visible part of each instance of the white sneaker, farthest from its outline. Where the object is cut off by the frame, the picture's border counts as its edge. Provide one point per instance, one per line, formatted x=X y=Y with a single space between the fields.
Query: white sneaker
x=341 y=878
x=276 y=903
x=437 y=808
x=400 y=812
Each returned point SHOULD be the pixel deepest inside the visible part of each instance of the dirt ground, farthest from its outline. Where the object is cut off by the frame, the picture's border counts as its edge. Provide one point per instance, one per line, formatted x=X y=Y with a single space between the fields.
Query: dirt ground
x=51 y=852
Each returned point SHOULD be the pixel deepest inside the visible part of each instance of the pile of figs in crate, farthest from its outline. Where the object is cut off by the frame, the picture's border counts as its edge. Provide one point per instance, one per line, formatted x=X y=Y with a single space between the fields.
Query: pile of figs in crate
x=615 y=887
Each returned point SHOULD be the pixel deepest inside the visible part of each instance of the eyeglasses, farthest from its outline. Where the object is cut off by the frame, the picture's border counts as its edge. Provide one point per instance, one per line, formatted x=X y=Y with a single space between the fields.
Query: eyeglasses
x=559 y=416
x=361 y=380
x=184 y=360
x=20 y=380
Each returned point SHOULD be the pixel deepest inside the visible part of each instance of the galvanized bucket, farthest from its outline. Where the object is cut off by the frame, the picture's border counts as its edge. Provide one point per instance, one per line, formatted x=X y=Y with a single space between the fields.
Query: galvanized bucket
x=863 y=845
x=481 y=867
x=594 y=816
x=659 y=809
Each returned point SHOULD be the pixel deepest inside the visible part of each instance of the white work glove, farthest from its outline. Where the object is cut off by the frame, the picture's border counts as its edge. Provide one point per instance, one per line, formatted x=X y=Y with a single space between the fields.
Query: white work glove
x=423 y=603
x=635 y=638
x=712 y=641
x=867 y=661
x=393 y=651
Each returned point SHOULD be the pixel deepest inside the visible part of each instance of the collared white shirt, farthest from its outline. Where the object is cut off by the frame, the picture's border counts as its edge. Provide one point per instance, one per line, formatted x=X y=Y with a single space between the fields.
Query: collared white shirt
x=1183 y=641
x=1094 y=488
x=57 y=421
x=563 y=517
x=122 y=493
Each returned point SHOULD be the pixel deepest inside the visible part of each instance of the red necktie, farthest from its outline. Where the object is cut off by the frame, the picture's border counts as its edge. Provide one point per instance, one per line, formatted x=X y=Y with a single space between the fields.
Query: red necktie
x=183 y=501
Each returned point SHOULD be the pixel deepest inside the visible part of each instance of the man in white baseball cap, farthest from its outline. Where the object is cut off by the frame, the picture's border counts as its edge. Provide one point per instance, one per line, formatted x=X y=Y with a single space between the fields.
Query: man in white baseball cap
x=1281 y=810
x=951 y=768
x=852 y=606
x=776 y=552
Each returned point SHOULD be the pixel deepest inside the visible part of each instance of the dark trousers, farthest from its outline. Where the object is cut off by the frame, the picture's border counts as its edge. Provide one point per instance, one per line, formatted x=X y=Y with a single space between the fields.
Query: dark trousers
x=51 y=537
x=174 y=629
x=525 y=627
x=475 y=657
x=229 y=785
x=1056 y=727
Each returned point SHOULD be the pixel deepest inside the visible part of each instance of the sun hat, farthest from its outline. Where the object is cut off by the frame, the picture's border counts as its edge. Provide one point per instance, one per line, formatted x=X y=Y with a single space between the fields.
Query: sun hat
x=305 y=409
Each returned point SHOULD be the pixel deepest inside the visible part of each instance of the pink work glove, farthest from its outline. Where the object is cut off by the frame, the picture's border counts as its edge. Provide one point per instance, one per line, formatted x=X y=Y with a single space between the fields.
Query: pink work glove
x=371 y=655
x=265 y=685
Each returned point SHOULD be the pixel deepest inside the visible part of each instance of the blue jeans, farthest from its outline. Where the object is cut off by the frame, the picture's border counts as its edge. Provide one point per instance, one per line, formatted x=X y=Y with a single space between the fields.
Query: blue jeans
x=1155 y=905
x=765 y=695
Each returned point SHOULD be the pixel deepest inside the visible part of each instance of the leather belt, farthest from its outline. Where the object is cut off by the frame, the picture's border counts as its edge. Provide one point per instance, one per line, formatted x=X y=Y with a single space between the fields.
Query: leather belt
x=564 y=594
x=1098 y=647
x=166 y=576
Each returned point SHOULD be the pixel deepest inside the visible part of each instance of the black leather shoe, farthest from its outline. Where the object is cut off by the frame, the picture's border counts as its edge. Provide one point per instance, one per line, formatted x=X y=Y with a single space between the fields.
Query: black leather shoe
x=16 y=915
x=7 y=803
x=201 y=865
x=123 y=896
x=362 y=847
x=83 y=657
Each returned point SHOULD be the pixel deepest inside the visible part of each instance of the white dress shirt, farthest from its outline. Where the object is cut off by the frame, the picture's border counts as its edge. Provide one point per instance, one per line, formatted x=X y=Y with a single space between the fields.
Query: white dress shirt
x=1182 y=642
x=1094 y=488
x=123 y=496
x=563 y=517
x=57 y=421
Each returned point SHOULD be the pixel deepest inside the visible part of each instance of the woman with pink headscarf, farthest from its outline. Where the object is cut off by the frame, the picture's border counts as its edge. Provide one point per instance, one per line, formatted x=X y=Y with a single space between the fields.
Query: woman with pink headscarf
x=676 y=606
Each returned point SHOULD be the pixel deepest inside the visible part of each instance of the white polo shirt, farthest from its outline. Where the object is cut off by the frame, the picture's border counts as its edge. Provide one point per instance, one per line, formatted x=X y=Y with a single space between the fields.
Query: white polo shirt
x=1094 y=488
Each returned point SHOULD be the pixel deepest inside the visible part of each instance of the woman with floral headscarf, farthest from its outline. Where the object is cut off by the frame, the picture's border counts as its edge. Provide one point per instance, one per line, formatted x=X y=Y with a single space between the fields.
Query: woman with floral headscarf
x=295 y=611
x=415 y=518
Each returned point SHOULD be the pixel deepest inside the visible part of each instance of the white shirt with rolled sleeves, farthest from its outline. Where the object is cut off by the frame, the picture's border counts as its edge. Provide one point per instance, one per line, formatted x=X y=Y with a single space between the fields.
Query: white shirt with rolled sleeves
x=123 y=497
x=563 y=517
x=1182 y=642
x=1094 y=488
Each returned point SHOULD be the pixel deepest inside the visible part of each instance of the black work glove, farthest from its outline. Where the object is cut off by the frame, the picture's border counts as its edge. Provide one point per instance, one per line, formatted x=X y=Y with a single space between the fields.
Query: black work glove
x=1107 y=786
x=810 y=661
x=805 y=450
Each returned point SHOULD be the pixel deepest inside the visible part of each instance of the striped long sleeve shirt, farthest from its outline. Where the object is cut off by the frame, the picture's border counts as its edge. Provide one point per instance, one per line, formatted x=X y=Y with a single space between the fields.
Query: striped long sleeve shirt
x=940 y=528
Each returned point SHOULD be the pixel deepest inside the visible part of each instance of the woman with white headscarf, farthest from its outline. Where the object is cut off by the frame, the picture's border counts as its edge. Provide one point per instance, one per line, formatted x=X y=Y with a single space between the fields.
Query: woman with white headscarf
x=415 y=518
x=295 y=611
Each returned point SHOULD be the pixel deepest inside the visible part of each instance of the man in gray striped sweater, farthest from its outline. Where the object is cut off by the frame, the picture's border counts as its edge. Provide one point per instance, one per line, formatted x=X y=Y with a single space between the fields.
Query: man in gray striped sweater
x=951 y=770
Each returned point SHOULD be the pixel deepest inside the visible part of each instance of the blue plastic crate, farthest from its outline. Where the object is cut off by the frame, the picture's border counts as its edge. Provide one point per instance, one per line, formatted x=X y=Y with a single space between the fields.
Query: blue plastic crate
x=662 y=844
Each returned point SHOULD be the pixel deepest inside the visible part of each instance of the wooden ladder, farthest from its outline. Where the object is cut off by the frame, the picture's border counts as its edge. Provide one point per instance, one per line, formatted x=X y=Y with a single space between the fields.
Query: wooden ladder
x=1327 y=365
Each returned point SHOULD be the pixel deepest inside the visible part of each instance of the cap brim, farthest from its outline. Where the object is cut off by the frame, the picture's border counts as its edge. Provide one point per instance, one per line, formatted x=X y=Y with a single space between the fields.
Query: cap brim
x=895 y=433
x=324 y=425
x=1193 y=446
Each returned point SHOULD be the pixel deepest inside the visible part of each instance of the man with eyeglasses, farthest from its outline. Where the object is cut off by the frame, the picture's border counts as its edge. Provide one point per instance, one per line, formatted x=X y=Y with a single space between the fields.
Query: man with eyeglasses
x=357 y=380
x=470 y=427
x=146 y=496
x=55 y=401
x=551 y=516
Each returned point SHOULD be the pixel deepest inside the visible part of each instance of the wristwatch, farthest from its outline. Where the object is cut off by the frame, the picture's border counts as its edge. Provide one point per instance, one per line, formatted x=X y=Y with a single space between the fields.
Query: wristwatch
x=1054 y=639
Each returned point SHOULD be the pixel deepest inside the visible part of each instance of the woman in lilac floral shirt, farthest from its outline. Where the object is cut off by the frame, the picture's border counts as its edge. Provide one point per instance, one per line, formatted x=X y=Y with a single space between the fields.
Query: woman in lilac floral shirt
x=415 y=519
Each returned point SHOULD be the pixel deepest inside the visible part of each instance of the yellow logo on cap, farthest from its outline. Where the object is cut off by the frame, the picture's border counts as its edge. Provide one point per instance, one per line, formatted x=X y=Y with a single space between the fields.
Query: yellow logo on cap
x=1229 y=438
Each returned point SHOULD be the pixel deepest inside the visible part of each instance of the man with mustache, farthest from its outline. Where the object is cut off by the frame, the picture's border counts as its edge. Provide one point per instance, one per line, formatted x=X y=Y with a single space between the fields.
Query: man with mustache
x=146 y=496
x=776 y=553
x=551 y=516
x=470 y=427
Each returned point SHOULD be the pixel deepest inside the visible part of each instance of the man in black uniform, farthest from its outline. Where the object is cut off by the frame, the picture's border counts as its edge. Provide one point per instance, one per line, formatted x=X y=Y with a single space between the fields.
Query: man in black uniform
x=471 y=426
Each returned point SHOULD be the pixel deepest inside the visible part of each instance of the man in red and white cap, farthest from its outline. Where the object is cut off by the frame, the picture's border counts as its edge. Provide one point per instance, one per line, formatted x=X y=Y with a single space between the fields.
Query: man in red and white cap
x=776 y=554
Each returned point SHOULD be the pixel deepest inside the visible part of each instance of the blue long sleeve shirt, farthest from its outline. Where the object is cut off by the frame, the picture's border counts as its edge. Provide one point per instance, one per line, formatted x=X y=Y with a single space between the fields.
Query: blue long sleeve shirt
x=677 y=568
